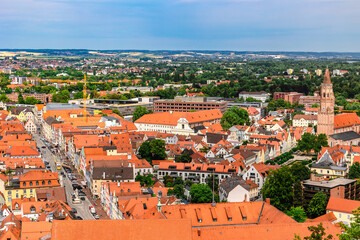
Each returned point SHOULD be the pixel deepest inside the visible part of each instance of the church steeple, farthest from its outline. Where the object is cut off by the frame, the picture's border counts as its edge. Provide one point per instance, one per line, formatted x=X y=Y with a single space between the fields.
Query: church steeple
x=326 y=111
x=327 y=77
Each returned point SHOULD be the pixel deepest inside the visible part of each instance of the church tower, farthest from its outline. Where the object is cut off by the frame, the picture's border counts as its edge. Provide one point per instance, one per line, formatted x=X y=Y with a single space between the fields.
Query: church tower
x=325 y=122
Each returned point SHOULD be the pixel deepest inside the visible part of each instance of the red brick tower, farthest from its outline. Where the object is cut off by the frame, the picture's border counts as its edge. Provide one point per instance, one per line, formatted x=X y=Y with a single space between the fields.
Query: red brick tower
x=325 y=123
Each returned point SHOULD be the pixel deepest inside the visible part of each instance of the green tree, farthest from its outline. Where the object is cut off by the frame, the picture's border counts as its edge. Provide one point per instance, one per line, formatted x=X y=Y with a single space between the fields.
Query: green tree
x=212 y=179
x=200 y=193
x=179 y=191
x=184 y=158
x=297 y=213
x=4 y=98
x=179 y=181
x=317 y=205
x=321 y=141
x=204 y=149
x=62 y=97
x=31 y=101
x=188 y=183
x=315 y=105
x=306 y=142
x=157 y=149
x=144 y=151
x=21 y=99
x=140 y=178
x=234 y=116
x=278 y=187
x=298 y=194
x=300 y=172
x=168 y=180
x=353 y=231
x=139 y=112
x=354 y=171
x=317 y=233
x=116 y=111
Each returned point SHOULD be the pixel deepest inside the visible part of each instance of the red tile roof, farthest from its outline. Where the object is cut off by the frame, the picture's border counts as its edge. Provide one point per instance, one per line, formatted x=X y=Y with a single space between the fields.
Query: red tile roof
x=342 y=205
x=346 y=120
x=122 y=229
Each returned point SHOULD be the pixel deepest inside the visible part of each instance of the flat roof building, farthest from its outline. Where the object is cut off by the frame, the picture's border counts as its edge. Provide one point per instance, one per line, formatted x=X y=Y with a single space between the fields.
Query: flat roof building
x=186 y=104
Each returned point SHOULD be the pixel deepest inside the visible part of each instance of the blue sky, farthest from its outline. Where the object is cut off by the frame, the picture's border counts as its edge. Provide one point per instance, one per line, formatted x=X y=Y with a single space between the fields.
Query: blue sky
x=274 y=25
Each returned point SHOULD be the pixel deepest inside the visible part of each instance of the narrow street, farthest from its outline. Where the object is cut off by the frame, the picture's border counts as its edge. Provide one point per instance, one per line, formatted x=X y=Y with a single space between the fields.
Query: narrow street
x=46 y=155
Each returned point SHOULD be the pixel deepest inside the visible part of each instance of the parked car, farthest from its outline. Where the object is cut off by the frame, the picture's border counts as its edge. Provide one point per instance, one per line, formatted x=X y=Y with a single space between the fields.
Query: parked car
x=82 y=194
x=82 y=198
x=79 y=218
x=92 y=209
x=96 y=216
x=74 y=210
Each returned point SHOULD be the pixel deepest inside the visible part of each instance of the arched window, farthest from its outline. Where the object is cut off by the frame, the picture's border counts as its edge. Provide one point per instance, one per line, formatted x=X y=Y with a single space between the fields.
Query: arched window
x=43 y=182
x=37 y=183
x=31 y=183
x=49 y=182
x=16 y=206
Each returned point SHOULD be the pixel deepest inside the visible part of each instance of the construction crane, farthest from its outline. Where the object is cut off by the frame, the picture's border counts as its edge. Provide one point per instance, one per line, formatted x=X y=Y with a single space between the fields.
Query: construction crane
x=85 y=98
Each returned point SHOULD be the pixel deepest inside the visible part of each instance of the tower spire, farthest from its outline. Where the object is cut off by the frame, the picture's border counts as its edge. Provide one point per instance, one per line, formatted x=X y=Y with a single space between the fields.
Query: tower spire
x=327 y=77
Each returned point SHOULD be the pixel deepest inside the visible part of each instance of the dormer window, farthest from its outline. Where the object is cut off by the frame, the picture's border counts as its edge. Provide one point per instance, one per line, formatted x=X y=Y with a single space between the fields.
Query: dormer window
x=43 y=182
x=37 y=183
x=32 y=209
x=49 y=182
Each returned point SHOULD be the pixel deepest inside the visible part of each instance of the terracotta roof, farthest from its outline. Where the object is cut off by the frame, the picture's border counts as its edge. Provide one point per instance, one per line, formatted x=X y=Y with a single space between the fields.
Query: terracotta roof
x=38 y=175
x=262 y=168
x=274 y=231
x=342 y=205
x=223 y=214
x=306 y=117
x=346 y=120
x=328 y=217
x=35 y=230
x=122 y=229
x=22 y=151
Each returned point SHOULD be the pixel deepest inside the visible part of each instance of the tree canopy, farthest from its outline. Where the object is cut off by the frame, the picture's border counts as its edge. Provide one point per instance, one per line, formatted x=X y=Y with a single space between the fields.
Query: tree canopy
x=184 y=158
x=278 y=187
x=200 y=193
x=139 y=112
x=154 y=150
x=234 y=116
x=317 y=205
x=310 y=142
x=354 y=171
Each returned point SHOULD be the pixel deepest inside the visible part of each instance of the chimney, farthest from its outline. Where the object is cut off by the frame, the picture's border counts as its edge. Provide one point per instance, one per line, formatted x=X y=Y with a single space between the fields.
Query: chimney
x=118 y=184
x=267 y=200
